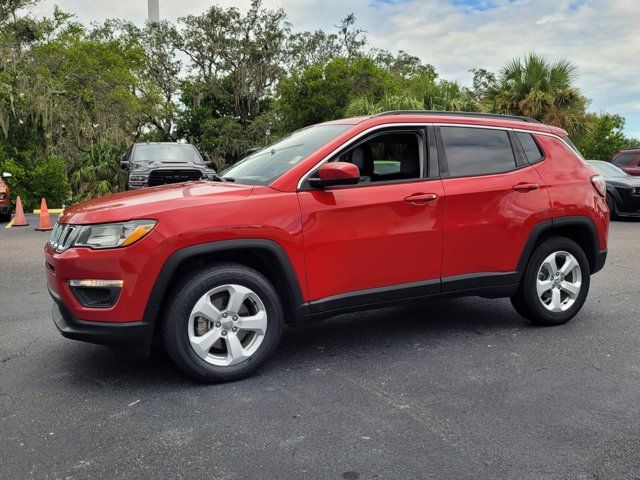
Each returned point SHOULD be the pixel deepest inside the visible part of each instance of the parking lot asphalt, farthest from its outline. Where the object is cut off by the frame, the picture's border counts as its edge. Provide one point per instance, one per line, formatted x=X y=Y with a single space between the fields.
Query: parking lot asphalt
x=450 y=389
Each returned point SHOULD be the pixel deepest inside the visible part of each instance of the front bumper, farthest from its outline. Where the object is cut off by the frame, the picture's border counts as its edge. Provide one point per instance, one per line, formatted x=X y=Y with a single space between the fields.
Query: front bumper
x=131 y=337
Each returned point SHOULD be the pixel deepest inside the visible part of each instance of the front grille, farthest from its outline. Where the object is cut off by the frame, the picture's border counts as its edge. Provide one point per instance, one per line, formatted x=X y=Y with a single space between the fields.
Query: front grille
x=163 y=177
x=61 y=236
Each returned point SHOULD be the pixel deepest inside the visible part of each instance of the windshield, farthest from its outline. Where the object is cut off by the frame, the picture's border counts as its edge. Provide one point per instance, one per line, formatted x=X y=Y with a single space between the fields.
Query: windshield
x=267 y=164
x=166 y=153
x=607 y=170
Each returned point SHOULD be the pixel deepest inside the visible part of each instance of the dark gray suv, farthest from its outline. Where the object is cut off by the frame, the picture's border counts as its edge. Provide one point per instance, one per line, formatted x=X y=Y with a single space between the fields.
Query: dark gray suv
x=150 y=164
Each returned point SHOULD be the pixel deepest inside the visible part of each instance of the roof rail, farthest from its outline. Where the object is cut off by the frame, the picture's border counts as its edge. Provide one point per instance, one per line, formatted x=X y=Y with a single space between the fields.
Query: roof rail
x=457 y=114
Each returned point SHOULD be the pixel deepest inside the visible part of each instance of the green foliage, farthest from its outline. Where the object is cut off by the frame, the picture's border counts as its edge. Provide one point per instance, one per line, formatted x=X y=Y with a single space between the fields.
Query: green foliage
x=98 y=172
x=227 y=80
x=607 y=137
x=545 y=91
x=48 y=179
x=323 y=92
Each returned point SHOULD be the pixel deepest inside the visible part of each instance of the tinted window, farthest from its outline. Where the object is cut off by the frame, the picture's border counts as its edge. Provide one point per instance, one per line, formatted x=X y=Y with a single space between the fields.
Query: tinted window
x=477 y=151
x=531 y=149
x=166 y=153
x=625 y=160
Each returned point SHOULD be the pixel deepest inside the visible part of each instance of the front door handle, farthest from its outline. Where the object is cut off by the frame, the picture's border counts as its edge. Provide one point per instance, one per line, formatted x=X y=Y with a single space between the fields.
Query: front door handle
x=526 y=187
x=421 y=198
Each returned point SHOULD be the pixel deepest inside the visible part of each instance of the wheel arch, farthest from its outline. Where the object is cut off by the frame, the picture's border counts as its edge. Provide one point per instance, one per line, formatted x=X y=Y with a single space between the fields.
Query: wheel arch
x=580 y=229
x=266 y=256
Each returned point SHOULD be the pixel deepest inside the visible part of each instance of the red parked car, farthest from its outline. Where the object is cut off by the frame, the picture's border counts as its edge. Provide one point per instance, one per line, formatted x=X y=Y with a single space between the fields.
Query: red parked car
x=341 y=216
x=628 y=161
x=5 y=198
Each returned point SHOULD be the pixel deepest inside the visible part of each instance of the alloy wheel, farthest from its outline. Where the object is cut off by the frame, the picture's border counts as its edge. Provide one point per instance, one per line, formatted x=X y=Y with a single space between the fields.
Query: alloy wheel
x=559 y=281
x=227 y=325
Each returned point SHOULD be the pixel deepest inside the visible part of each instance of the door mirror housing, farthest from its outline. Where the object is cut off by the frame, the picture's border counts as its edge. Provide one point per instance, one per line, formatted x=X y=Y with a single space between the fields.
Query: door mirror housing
x=124 y=163
x=336 y=173
x=6 y=175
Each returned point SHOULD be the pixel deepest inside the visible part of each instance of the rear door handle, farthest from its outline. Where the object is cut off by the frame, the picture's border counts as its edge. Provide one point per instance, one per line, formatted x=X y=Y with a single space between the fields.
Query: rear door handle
x=526 y=187
x=421 y=198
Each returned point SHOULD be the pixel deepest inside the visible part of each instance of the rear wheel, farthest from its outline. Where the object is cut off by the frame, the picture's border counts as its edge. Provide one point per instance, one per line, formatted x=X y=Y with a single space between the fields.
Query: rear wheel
x=555 y=283
x=223 y=323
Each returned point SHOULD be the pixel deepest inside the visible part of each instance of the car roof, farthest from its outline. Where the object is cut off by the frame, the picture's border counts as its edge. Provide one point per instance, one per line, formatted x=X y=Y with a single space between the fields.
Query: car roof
x=437 y=116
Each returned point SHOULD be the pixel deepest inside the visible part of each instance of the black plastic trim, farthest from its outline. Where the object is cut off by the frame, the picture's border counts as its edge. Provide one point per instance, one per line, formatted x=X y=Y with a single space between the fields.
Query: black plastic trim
x=134 y=337
x=479 y=280
x=437 y=113
x=376 y=295
x=173 y=262
x=85 y=301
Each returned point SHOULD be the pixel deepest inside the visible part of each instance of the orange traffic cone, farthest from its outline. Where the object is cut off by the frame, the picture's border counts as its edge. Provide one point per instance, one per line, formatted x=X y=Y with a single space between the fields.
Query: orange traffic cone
x=45 y=220
x=18 y=218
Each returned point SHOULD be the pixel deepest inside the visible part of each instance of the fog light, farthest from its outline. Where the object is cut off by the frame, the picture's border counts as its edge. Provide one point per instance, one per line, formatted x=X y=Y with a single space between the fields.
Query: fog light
x=97 y=283
x=96 y=293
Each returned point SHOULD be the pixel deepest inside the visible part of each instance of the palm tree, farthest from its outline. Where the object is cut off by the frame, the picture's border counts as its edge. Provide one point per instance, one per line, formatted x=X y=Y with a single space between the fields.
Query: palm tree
x=545 y=91
x=98 y=172
x=417 y=94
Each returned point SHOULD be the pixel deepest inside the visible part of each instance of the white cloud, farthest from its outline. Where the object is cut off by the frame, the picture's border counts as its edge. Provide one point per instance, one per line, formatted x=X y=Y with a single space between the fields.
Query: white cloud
x=599 y=36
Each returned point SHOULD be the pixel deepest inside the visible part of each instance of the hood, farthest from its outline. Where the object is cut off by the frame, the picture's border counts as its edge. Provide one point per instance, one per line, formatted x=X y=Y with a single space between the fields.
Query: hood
x=626 y=181
x=152 y=202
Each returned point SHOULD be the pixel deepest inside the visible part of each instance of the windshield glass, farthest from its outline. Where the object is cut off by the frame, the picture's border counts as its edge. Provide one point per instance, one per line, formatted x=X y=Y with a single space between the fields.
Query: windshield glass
x=166 y=153
x=607 y=170
x=267 y=164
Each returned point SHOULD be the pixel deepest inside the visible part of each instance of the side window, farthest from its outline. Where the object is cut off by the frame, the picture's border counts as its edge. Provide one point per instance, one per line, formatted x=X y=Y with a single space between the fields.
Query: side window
x=531 y=149
x=389 y=156
x=477 y=151
x=625 y=160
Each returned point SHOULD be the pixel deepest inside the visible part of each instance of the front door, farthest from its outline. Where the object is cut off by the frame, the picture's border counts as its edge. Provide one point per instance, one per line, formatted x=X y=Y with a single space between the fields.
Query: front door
x=380 y=239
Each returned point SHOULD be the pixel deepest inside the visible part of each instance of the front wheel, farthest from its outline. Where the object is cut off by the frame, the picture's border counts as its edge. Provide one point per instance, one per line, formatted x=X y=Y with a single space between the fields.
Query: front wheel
x=555 y=283
x=224 y=322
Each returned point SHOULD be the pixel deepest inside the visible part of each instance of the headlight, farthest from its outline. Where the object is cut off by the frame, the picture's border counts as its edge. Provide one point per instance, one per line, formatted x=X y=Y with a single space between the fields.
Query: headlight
x=137 y=178
x=111 y=235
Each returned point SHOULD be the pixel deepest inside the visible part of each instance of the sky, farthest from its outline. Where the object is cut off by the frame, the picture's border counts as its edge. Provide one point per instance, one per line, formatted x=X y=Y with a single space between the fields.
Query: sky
x=601 y=37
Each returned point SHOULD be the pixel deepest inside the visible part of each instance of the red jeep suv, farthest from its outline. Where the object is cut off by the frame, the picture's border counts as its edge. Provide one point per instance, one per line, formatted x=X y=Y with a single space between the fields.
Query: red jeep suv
x=340 y=216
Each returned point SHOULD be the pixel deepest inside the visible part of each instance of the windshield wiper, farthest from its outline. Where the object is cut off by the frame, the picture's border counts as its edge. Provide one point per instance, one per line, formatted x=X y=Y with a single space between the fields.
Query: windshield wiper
x=228 y=179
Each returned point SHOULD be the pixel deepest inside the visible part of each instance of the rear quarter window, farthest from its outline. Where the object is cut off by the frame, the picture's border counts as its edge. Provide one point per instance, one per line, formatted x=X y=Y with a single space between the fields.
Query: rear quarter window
x=531 y=149
x=477 y=151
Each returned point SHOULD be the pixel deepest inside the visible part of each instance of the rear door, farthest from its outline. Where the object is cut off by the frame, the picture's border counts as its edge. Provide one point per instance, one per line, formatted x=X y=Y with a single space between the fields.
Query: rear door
x=494 y=198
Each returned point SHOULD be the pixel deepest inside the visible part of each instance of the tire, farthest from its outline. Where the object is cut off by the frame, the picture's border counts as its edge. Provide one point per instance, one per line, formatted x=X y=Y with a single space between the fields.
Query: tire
x=551 y=308
x=611 y=203
x=256 y=325
x=5 y=217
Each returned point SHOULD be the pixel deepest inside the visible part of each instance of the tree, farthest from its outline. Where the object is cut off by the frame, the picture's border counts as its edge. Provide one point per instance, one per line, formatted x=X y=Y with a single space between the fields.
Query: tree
x=248 y=51
x=545 y=91
x=607 y=137
x=323 y=92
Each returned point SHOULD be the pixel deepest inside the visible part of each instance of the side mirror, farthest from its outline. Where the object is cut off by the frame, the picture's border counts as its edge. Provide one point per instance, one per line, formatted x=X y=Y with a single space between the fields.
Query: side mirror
x=124 y=163
x=336 y=173
x=6 y=175
x=207 y=160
